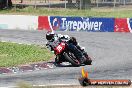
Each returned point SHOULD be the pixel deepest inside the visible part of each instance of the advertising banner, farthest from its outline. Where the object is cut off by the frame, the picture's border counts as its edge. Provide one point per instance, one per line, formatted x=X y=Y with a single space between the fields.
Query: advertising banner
x=43 y=23
x=78 y=24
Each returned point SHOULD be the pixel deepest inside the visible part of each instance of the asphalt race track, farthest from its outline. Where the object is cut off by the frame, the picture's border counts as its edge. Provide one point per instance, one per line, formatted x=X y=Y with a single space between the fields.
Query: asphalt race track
x=111 y=53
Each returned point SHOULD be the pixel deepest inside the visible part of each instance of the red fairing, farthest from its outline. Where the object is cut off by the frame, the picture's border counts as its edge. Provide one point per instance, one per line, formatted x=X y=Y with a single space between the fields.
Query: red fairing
x=60 y=48
x=43 y=23
x=121 y=25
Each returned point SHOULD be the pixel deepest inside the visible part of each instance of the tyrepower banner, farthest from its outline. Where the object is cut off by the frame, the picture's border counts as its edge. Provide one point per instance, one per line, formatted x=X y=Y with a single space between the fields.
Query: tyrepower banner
x=76 y=24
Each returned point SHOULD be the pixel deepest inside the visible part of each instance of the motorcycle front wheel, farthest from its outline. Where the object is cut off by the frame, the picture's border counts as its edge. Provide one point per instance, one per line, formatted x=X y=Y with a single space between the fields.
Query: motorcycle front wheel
x=72 y=58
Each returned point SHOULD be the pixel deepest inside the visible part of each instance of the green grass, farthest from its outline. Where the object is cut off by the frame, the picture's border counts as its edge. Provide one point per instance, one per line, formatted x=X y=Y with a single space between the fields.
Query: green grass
x=102 y=12
x=12 y=54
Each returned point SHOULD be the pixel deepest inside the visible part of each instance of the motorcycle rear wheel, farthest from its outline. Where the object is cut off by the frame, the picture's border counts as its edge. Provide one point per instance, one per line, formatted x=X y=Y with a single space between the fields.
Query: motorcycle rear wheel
x=88 y=60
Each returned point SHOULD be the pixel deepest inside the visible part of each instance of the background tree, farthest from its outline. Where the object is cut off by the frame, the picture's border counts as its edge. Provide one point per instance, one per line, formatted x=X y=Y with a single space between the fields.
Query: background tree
x=5 y=4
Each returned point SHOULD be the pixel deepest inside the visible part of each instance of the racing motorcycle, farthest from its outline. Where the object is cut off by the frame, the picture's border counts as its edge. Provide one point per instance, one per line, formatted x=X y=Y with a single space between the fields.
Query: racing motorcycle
x=63 y=54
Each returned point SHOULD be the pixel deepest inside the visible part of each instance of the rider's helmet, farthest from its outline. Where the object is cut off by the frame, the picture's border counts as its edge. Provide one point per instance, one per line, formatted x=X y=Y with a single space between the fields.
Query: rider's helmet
x=50 y=35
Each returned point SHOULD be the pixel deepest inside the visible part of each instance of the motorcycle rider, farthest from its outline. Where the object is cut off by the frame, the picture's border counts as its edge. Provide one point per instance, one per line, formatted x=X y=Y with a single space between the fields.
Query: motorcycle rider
x=72 y=43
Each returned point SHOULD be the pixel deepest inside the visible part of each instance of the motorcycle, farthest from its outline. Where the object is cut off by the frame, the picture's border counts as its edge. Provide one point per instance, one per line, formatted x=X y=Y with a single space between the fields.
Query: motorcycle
x=63 y=54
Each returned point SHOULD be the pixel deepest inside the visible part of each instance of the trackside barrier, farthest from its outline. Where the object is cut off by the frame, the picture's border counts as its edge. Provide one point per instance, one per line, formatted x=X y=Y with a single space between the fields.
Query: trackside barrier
x=58 y=23
x=85 y=24
x=76 y=24
x=123 y=25
x=20 y=22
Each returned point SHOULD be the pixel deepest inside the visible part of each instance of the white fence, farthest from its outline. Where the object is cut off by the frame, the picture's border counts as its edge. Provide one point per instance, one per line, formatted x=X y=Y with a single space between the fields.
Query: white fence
x=77 y=4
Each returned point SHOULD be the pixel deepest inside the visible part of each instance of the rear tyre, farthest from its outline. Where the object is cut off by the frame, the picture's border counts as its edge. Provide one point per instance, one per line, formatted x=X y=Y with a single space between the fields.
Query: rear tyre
x=88 y=60
x=72 y=58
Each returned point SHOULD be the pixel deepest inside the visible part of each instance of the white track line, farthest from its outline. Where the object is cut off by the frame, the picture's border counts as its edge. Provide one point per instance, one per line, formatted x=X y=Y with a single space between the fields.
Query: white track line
x=57 y=85
x=42 y=85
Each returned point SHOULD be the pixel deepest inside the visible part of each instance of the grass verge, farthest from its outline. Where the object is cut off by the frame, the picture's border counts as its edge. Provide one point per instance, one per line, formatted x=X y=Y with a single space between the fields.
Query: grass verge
x=102 y=12
x=12 y=54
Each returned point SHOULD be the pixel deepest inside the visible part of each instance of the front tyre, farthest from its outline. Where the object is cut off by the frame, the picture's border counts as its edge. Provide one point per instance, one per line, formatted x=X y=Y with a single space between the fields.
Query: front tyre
x=72 y=58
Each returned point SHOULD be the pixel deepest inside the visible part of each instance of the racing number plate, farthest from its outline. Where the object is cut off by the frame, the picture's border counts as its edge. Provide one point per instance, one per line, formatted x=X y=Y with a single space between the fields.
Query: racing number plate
x=60 y=47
